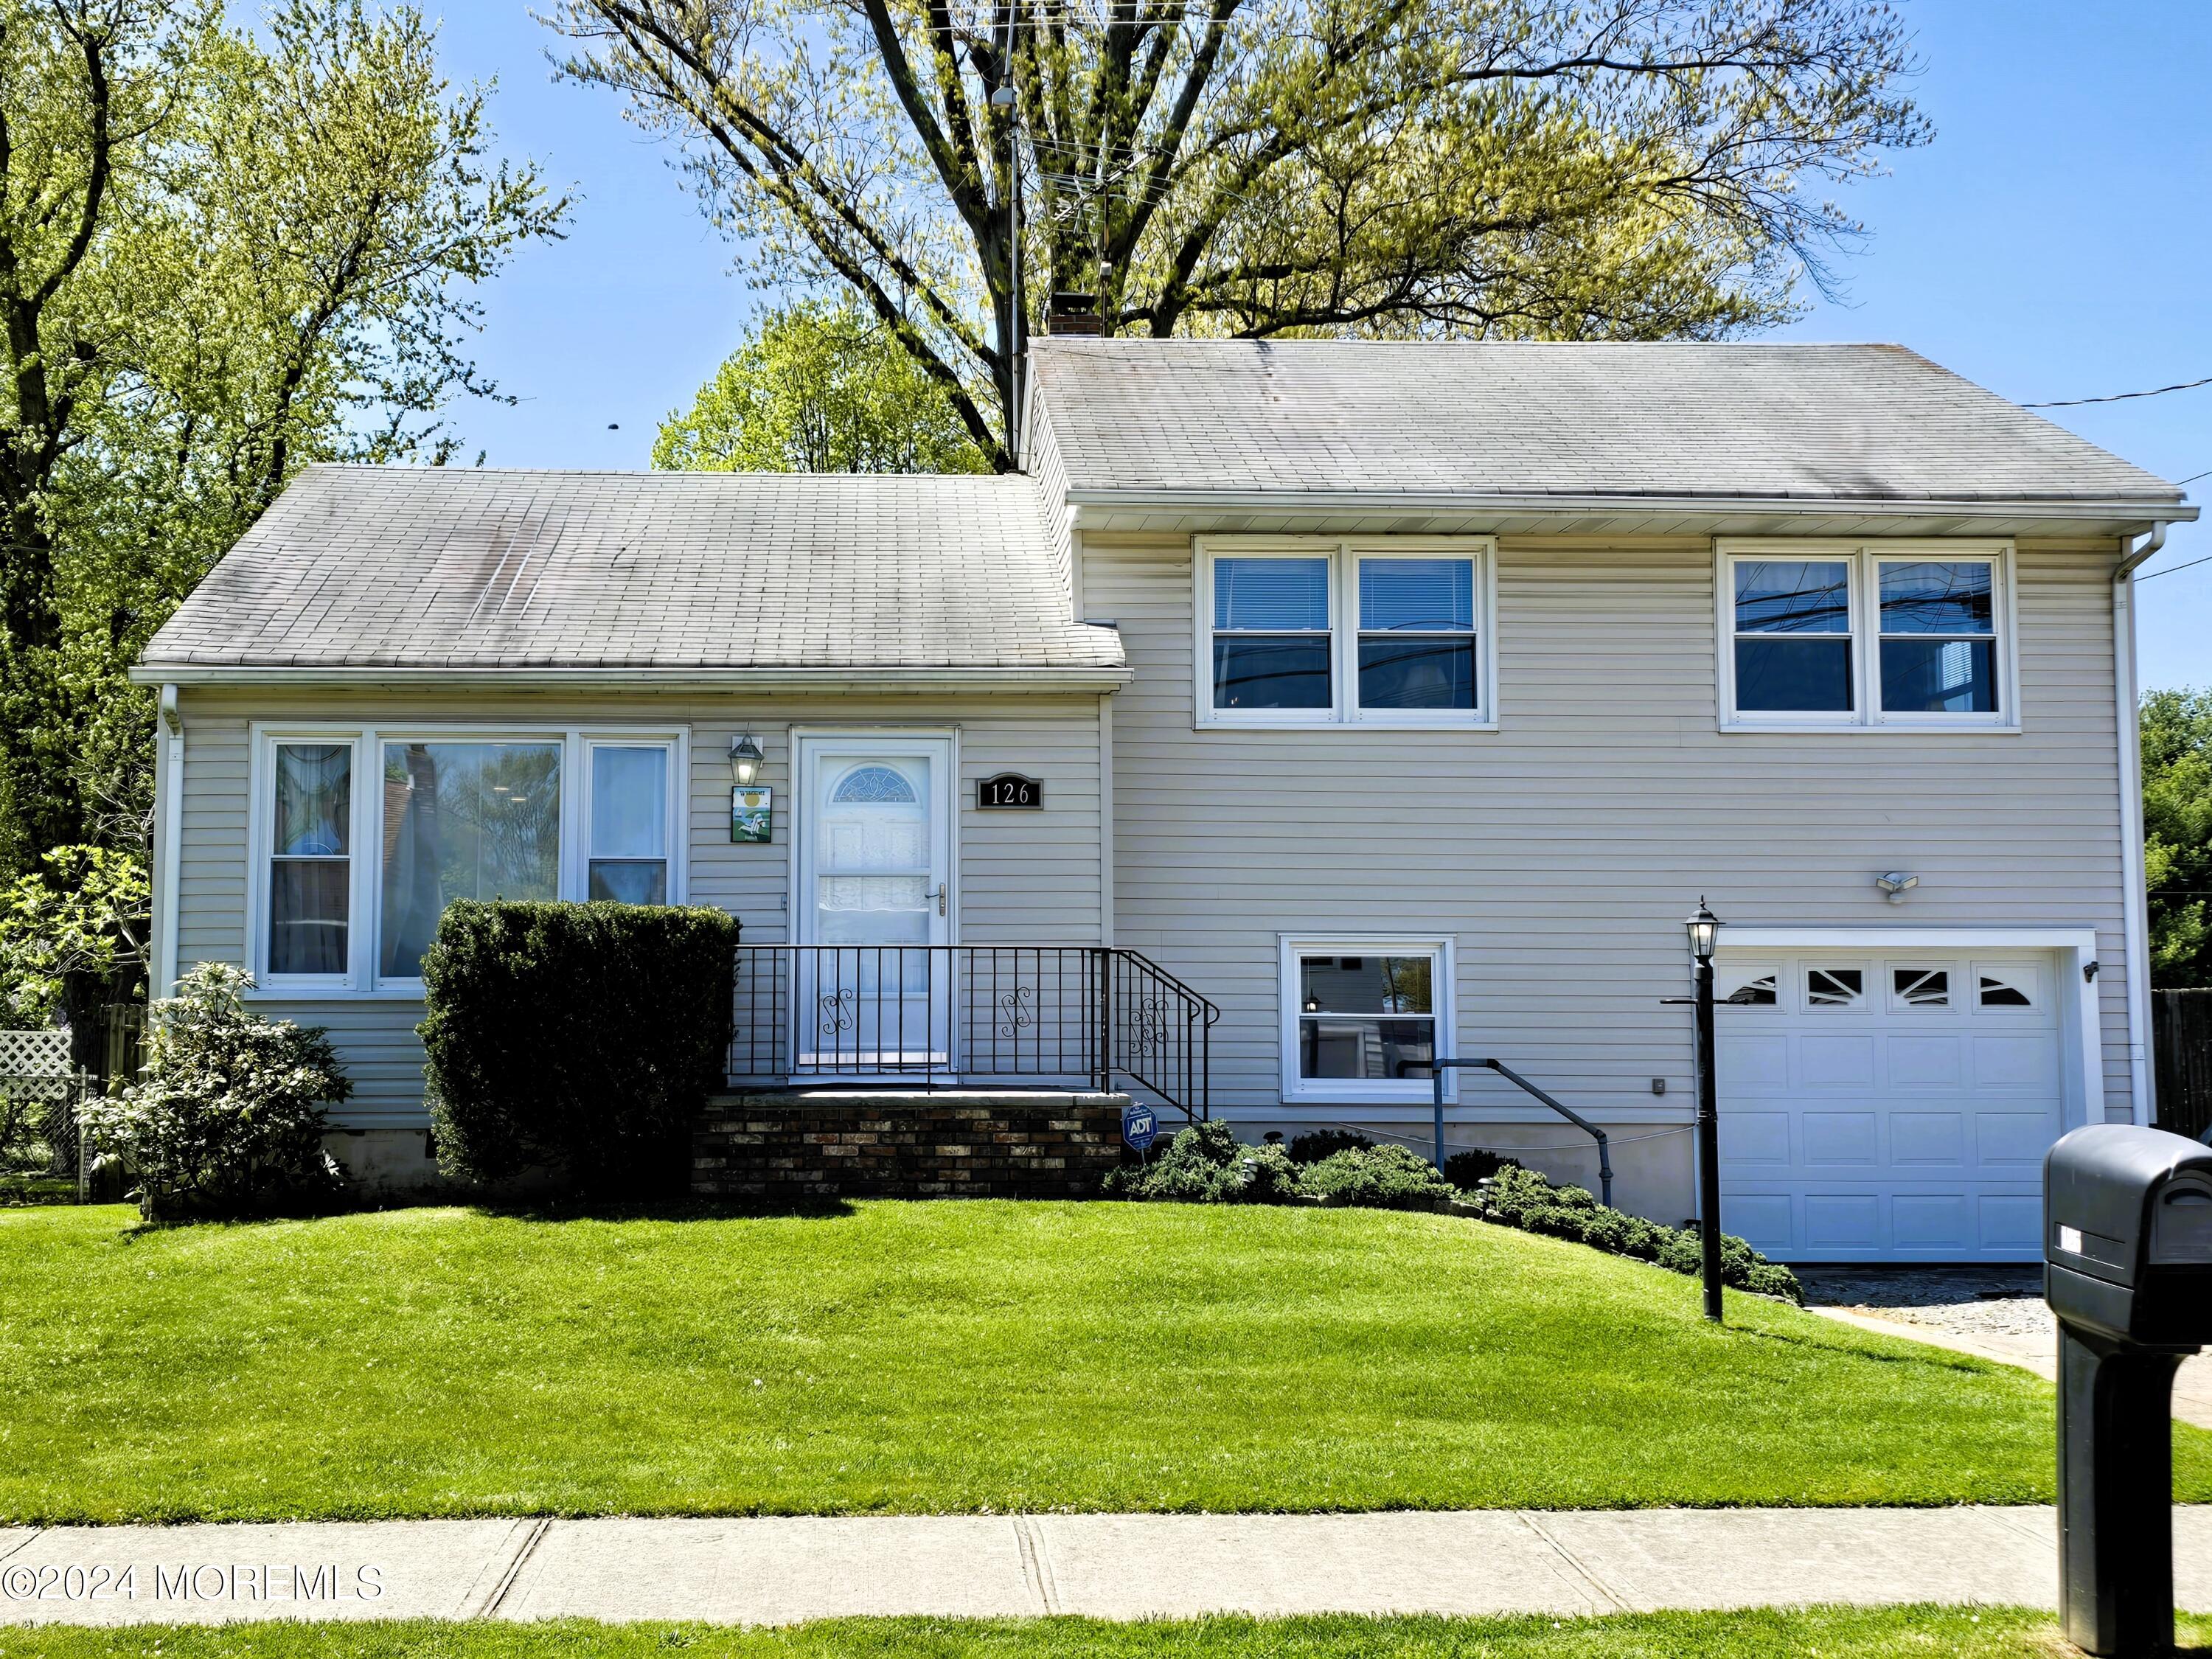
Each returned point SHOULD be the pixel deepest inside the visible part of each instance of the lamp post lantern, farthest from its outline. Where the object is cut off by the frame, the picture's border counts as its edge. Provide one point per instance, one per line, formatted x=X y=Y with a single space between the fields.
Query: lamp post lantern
x=1704 y=928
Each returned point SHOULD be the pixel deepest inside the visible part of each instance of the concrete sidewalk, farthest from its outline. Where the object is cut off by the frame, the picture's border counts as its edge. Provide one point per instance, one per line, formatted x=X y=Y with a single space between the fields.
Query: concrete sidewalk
x=777 y=1570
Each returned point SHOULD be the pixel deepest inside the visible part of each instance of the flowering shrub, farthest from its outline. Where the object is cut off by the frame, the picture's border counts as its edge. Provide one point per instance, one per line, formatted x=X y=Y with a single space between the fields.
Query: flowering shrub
x=227 y=1119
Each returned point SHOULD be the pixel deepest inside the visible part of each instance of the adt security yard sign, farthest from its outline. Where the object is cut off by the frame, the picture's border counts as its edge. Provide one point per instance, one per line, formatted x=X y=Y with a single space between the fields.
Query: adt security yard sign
x=1138 y=1126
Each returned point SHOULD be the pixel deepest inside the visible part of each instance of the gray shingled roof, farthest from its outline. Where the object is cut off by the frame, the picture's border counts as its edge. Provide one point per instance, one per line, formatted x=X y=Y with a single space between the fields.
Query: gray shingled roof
x=449 y=568
x=1763 y=422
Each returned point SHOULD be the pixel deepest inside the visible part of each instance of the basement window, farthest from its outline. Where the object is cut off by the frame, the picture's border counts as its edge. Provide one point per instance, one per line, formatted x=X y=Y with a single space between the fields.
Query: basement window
x=1363 y=1019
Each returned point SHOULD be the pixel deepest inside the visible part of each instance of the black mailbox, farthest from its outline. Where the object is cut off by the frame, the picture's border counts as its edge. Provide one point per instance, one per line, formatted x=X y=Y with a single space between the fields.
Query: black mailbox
x=2129 y=1254
x=2127 y=1217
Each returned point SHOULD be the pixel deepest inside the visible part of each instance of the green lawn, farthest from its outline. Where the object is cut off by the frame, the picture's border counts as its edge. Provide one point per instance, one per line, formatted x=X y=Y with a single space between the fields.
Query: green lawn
x=968 y=1357
x=1830 y=1633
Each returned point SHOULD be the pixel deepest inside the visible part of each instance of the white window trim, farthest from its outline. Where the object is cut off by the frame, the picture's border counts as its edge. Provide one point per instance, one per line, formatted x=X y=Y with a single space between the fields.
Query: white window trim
x=1444 y=991
x=672 y=820
x=361 y=982
x=261 y=838
x=1344 y=554
x=1865 y=559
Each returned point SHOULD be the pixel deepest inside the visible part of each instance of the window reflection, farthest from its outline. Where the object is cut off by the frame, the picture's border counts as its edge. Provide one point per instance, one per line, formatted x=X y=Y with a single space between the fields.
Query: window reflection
x=463 y=821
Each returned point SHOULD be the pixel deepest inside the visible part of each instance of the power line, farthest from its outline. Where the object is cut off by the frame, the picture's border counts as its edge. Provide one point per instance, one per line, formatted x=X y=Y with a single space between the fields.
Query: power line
x=2171 y=568
x=2120 y=397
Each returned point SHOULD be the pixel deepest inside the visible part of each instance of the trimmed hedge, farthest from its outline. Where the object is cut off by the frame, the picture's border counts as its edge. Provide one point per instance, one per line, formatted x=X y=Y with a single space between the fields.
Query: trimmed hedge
x=582 y=1038
x=1318 y=1144
x=1207 y=1164
x=1464 y=1169
x=1522 y=1198
x=1377 y=1178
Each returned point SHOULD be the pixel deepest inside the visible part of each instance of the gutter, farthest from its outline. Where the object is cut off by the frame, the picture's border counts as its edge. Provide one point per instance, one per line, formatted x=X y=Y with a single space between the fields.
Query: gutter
x=2135 y=912
x=434 y=677
x=170 y=794
x=1292 y=502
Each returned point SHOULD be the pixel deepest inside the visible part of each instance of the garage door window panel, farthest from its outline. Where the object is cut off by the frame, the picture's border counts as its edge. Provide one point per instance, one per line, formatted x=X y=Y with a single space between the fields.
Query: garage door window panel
x=2004 y=988
x=1835 y=988
x=1918 y=988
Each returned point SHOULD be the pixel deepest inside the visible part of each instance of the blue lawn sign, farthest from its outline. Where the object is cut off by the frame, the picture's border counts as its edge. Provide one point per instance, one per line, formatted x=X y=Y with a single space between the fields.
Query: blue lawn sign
x=1140 y=1127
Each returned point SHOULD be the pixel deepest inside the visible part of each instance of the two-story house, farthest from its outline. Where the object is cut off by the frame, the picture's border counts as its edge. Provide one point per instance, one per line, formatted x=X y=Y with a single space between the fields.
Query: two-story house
x=1303 y=711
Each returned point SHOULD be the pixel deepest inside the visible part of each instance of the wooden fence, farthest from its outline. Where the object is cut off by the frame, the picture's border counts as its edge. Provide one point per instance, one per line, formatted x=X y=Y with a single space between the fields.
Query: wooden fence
x=2181 y=1048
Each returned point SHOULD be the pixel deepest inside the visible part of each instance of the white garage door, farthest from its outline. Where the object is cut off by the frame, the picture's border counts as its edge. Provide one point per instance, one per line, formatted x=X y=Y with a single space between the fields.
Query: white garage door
x=1878 y=1108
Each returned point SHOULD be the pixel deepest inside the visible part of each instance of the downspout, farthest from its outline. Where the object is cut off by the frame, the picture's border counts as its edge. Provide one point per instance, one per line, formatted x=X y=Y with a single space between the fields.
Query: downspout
x=2135 y=914
x=169 y=794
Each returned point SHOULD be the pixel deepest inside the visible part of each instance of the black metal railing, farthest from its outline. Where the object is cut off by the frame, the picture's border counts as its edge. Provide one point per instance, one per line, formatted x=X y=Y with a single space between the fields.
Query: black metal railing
x=933 y=1014
x=1436 y=1068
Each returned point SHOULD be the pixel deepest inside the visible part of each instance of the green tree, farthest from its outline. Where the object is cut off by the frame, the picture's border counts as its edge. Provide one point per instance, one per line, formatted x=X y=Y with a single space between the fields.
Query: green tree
x=820 y=387
x=1515 y=168
x=2177 y=785
x=223 y=254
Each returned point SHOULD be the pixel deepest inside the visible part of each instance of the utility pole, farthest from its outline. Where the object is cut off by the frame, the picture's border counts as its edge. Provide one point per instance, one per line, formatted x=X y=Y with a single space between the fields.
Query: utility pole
x=1002 y=97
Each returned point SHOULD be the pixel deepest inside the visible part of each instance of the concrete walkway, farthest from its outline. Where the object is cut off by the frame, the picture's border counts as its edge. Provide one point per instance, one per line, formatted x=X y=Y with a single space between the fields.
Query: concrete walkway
x=1117 y=1567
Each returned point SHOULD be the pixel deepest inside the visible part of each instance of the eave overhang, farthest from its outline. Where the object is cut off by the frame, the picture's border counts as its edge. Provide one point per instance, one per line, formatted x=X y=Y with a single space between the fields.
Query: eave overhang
x=816 y=682
x=1192 y=512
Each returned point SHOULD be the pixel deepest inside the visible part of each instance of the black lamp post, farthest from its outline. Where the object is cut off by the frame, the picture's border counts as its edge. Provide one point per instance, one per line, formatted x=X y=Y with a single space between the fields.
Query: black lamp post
x=1704 y=928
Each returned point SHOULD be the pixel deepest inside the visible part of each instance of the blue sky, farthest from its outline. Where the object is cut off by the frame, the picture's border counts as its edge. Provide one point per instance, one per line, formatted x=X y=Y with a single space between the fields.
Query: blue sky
x=2052 y=242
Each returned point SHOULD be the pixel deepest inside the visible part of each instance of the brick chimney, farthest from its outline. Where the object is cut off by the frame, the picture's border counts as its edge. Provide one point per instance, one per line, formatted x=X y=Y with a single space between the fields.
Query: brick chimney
x=1073 y=314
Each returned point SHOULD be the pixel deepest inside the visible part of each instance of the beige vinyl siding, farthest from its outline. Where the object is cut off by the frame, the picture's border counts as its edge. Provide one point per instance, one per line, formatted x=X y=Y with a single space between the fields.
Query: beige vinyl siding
x=1025 y=877
x=1044 y=464
x=1562 y=851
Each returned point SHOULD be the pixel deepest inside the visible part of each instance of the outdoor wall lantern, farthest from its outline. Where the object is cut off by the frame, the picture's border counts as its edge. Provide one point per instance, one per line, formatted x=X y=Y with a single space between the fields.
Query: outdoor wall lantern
x=744 y=760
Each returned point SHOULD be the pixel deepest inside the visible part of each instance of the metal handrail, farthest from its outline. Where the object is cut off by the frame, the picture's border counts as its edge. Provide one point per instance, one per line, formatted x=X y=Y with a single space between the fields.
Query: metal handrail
x=925 y=1013
x=1604 y=1148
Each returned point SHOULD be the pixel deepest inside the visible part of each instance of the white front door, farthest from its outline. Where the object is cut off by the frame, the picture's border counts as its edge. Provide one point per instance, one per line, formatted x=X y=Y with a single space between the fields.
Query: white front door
x=1888 y=1106
x=874 y=847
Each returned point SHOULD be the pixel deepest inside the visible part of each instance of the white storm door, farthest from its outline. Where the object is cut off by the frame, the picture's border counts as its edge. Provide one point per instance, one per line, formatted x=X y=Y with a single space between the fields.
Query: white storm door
x=874 y=899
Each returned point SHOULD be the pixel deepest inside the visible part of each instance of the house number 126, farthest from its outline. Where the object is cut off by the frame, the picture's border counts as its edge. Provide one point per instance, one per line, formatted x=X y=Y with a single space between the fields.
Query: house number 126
x=1010 y=791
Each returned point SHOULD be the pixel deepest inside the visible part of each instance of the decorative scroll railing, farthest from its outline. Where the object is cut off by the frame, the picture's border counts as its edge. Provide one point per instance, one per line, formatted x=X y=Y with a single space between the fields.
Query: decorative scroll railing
x=934 y=1013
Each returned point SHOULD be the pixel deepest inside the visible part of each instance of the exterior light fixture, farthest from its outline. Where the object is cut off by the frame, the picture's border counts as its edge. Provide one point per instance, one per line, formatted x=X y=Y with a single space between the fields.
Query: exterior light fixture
x=1703 y=928
x=1002 y=95
x=1313 y=1005
x=1896 y=884
x=744 y=760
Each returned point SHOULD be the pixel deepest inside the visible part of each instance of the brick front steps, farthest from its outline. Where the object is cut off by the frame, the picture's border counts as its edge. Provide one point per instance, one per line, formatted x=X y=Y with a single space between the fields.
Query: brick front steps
x=883 y=1143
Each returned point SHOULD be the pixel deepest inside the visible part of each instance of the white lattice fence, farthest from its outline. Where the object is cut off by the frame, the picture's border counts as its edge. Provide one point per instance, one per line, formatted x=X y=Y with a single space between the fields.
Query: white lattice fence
x=39 y=1094
x=35 y=1054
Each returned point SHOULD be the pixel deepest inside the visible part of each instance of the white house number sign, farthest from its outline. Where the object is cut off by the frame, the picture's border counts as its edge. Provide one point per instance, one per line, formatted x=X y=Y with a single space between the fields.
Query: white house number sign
x=1010 y=792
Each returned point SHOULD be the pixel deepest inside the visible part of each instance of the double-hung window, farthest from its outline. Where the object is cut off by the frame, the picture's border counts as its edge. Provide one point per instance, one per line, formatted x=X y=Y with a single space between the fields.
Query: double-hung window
x=1299 y=631
x=1901 y=634
x=628 y=848
x=351 y=880
x=1363 y=1019
x=308 y=915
